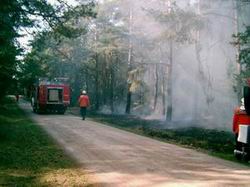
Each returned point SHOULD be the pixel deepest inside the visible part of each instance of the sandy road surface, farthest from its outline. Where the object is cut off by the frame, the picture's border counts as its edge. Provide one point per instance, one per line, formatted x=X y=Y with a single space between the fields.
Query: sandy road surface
x=113 y=157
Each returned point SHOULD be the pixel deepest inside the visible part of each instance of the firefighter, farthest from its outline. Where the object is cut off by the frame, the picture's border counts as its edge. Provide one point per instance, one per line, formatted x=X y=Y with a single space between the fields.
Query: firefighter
x=84 y=103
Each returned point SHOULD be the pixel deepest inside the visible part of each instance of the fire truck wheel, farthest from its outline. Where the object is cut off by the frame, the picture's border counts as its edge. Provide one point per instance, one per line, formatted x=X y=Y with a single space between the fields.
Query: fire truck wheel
x=34 y=109
x=238 y=147
x=238 y=157
x=245 y=158
x=241 y=153
x=39 y=111
x=62 y=111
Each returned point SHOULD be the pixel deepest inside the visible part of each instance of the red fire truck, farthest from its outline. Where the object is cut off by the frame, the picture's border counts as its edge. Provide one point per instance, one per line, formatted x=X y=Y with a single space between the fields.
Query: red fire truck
x=241 y=126
x=50 y=95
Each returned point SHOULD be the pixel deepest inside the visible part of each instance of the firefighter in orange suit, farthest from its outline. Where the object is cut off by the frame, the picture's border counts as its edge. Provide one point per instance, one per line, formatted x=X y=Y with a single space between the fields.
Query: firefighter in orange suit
x=84 y=103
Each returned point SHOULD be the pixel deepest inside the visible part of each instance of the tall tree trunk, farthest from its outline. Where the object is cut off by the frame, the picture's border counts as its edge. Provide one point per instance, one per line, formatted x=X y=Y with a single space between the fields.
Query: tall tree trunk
x=156 y=86
x=163 y=72
x=112 y=76
x=239 y=67
x=169 y=73
x=163 y=87
x=107 y=79
x=236 y=25
x=87 y=79
x=197 y=50
x=97 y=96
x=97 y=103
x=77 y=83
x=129 y=93
x=203 y=71
x=169 y=83
x=128 y=106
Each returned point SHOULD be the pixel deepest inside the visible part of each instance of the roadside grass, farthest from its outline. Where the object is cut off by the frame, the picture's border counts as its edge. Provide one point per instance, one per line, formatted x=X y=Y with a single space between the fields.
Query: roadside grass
x=213 y=142
x=29 y=157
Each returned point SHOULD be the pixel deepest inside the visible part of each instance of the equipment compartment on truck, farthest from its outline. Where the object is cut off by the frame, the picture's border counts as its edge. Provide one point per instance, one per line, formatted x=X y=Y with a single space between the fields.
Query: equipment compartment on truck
x=50 y=96
x=241 y=127
x=55 y=95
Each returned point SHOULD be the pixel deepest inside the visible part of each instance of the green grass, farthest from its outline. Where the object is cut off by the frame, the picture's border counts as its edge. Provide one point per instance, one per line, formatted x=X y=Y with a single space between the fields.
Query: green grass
x=29 y=157
x=214 y=142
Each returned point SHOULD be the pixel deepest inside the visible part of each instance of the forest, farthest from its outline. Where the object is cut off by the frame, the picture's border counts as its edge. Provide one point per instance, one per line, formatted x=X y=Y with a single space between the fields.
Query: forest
x=182 y=61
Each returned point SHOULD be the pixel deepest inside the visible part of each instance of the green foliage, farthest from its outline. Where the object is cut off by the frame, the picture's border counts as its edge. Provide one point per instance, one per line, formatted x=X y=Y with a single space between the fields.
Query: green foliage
x=180 y=25
x=88 y=61
x=28 y=157
x=9 y=20
x=243 y=41
x=20 y=14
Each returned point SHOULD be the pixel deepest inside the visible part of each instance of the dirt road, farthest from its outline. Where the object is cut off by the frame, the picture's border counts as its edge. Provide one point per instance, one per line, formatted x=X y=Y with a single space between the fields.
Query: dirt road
x=113 y=157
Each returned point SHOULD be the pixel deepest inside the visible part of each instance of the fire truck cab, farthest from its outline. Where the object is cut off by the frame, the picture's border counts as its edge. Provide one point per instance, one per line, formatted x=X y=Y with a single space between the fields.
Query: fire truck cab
x=241 y=126
x=50 y=95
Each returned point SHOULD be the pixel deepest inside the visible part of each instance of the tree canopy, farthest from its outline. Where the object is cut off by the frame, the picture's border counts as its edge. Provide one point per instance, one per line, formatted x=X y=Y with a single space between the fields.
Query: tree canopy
x=143 y=57
x=21 y=14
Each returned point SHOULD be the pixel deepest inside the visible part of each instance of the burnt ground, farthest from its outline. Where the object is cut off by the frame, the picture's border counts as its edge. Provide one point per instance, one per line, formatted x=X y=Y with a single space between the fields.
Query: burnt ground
x=217 y=142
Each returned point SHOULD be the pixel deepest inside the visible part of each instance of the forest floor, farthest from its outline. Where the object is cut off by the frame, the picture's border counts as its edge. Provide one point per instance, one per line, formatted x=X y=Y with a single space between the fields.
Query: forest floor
x=114 y=157
x=29 y=157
